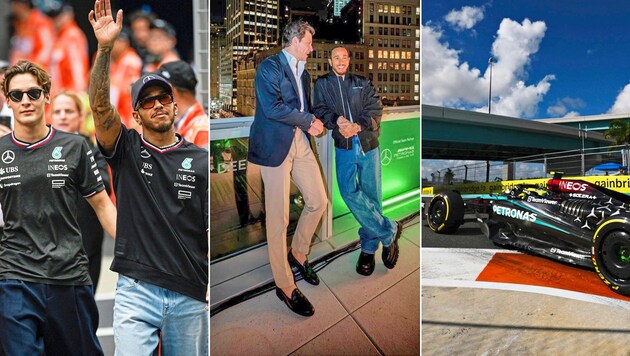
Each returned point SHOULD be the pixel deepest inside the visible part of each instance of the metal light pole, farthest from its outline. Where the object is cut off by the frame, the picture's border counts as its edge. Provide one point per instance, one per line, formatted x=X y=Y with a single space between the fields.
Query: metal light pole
x=490 y=61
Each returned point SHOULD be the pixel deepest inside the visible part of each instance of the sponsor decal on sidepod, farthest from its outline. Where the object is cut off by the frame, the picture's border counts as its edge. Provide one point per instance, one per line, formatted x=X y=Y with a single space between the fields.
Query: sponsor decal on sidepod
x=514 y=213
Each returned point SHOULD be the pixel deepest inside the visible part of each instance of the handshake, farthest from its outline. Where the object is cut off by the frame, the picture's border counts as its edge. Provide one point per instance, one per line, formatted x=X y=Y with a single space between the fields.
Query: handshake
x=347 y=128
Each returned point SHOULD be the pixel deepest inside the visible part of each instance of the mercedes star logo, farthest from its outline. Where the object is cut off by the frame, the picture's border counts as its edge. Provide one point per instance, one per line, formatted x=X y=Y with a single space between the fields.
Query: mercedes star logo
x=8 y=157
x=144 y=153
x=386 y=157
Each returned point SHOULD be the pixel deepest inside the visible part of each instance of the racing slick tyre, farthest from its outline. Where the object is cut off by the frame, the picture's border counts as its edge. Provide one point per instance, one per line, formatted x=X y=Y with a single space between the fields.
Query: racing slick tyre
x=611 y=254
x=446 y=212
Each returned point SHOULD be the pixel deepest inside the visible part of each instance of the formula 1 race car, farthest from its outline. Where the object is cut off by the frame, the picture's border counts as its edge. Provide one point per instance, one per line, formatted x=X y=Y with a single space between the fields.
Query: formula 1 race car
x=571 y=221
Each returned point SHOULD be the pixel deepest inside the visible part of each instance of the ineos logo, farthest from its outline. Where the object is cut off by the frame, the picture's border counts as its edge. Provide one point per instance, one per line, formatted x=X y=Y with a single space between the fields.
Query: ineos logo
x=8 y=156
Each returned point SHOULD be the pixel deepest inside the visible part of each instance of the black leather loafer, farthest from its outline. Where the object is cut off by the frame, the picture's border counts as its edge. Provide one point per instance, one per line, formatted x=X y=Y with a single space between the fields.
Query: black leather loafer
x=390 y=253
x=305 y=269
x=297 y=303
x=365 y=264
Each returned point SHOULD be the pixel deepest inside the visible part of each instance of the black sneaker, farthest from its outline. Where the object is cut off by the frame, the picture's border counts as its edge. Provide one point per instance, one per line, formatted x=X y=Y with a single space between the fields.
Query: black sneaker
x=390 y=253
x=365 y=264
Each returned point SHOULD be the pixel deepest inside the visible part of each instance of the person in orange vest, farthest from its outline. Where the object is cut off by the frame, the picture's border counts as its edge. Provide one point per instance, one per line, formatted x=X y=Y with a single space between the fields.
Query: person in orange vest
x=193 y=123
x=124 y=70
x=34 y=34
x=161 y=45
x=70 y=64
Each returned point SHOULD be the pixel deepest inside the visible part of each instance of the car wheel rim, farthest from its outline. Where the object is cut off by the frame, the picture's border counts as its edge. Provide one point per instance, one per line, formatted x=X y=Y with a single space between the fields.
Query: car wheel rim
x=438 y=213
x=615 y=253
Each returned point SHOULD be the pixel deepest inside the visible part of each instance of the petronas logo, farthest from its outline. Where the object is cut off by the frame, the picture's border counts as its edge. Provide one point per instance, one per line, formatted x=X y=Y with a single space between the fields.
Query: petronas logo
x=187 y=163
x=56 y=154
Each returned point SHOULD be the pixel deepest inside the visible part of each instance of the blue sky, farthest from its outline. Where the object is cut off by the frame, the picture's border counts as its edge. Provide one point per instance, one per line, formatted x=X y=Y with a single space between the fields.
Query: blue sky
x=553 y=58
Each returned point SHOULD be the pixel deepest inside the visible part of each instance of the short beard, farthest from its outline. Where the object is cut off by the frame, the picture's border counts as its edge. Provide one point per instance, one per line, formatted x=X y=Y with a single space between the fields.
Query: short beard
x=162 y=128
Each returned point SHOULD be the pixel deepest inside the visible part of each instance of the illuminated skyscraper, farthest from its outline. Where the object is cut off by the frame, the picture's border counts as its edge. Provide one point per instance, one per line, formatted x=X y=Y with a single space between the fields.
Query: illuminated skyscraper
x=250 y=24
x=338 y=5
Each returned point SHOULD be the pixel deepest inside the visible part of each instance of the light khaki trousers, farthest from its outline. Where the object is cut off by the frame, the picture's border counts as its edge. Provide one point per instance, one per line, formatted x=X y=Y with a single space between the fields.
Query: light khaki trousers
x=301 y=165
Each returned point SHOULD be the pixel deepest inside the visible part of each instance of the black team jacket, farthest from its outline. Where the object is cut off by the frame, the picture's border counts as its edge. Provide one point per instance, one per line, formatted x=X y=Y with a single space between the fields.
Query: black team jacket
x=332 y=94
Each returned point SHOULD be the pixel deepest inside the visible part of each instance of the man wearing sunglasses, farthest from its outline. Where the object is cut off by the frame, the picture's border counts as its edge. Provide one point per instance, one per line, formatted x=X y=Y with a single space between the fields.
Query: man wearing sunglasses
x=161 y=185
x=46 y=296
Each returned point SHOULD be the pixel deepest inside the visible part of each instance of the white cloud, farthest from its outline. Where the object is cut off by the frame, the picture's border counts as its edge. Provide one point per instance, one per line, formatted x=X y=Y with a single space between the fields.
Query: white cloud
x=448 y=81
x=466 y=18
x=622 y=102
x=565 y=107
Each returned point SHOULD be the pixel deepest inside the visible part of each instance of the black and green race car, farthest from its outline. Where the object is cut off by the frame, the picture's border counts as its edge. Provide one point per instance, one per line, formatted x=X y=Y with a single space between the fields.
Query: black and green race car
x=568 y=220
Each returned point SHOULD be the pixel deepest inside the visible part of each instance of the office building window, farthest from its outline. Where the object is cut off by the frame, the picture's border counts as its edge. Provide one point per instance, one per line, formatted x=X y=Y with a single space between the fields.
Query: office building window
x=371 y=53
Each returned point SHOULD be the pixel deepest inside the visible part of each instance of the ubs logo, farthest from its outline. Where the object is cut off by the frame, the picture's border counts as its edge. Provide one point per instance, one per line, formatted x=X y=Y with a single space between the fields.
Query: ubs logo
x=56 y=153
x=8 y=156
x=187 y=163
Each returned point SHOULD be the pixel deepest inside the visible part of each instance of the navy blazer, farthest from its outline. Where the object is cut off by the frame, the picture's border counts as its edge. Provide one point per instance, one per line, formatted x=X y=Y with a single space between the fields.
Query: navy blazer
x=277 y=111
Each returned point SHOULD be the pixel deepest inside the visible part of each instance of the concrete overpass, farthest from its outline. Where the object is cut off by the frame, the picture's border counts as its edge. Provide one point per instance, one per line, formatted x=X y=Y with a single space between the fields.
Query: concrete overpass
x=599 y=123
x=459 y=134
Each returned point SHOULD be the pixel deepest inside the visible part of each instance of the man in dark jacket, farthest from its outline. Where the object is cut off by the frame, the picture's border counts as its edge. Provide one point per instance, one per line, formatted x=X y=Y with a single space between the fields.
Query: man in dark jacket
x=348 y=105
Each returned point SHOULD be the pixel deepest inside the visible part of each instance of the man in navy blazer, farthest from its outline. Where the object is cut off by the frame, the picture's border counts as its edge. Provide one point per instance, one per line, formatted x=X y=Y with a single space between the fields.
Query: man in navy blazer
x=279 y=142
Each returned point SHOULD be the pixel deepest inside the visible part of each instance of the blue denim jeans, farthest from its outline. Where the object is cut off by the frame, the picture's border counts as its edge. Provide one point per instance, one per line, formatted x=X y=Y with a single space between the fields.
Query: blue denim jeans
x=359 y=181
x=142 y=309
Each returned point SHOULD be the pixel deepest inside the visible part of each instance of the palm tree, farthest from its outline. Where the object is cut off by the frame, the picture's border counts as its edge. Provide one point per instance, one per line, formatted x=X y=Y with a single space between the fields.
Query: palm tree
x=619 y=130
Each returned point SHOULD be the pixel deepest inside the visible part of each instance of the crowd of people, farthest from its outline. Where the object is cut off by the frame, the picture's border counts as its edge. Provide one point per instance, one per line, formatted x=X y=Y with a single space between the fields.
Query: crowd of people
x=147 y=141
x=51 y=38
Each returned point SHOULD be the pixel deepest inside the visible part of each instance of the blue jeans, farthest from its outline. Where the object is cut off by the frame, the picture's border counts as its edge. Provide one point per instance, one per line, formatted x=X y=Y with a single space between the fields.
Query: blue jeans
x=359 y=181
x=46 y=319
x=142 y=309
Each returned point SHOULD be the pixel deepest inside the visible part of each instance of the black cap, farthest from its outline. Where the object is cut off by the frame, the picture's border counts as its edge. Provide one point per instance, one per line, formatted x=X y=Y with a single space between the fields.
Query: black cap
x=55 y=8
x=164 y=26
x=145 y=81
x=180 y=74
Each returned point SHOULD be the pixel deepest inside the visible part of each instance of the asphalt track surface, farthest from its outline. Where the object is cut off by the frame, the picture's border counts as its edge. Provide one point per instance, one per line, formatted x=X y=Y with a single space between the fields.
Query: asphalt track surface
x=480 y=299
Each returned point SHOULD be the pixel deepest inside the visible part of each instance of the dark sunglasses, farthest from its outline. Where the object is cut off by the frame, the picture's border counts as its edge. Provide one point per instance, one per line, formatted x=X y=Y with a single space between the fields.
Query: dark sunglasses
x=149 y=102
x=17 y=95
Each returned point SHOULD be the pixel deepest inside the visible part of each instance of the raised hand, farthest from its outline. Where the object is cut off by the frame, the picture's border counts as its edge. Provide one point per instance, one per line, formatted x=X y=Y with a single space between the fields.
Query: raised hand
x=105 y=29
